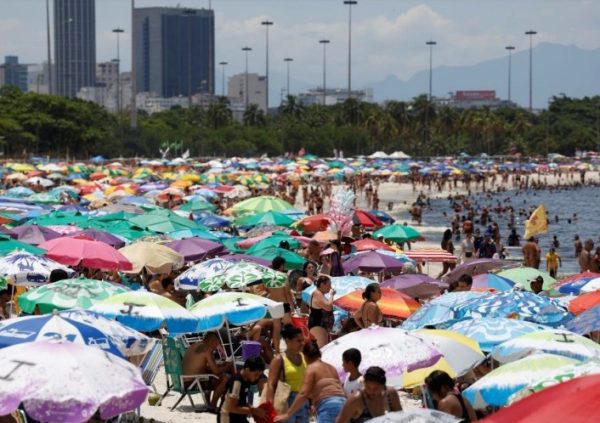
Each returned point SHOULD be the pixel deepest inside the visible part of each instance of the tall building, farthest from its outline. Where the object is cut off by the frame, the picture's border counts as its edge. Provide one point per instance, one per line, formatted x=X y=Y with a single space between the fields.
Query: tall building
x=257 y=90
x=174 y=51
x=13 y=73
x=74 y=45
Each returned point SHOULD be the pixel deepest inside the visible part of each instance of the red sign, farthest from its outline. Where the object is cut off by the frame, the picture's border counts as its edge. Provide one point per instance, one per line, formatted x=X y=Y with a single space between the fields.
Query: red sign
x=475 y=95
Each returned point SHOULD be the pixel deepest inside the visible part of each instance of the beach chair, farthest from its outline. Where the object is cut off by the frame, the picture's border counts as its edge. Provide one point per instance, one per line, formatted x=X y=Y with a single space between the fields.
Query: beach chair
x=151 y=363
x=185 y=385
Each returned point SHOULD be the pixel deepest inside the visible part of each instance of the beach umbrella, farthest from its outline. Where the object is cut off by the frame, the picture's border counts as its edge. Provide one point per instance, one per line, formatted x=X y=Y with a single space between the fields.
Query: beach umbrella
x=585 y=323
x=415 y=285
x=197 y=205
x=9 y=245
x=368 y=244
x=492 y=281
x=574 y=401
x=59 y=218
x=553 y=341
x=100 y=235
x=233 y=308
x=263 y=203
x=366 y=219
x=431 y=255
x=524 y=275
x=24 y=268
x=34 y=234
x=214 y=221
x=67 y=294
x=472 y=268
x=190 y=233
x=558 y=376
x=155 y=258
x=265 y=218
x=190 y=279
x=526 y=305
x=243 y=274
x=314 y=223
x=146 y=312
x=414 y=415
x=292 y=260
x=495 y=388
x=236 y=258
x=584 y=302
x=19 y=192
x=440 y=310
x=393 y=349
x=96 y=382
x=343 y=285
x=393 y=304
x=65 y=230
x=580 y=286
x=86 y=253
x=162 y=223
x=397 y=233
x=492 y=331
x=383 y=216
x=194 y=249
x=272 y=240
x=372 y=261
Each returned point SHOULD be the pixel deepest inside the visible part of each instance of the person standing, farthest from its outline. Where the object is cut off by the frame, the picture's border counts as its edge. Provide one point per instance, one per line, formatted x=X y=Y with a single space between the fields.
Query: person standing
x=234 y=407
x=585 y=256
x=369 y=313
x=321 y=319
x=578 y=246
x=530 y=253
x=467 y=248
x=448 y=246
x=553 y=262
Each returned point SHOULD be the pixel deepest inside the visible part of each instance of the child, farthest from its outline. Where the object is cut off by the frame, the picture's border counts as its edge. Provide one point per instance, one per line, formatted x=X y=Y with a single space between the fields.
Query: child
x=351 y=359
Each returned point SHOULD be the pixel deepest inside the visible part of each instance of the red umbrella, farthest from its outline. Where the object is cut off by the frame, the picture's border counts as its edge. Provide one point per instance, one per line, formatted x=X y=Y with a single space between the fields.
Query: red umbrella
x=432 y=255
x=393 y=304
x=371 y=244
x=574 y=401
x=85 y=252
x=584 y=302
x=366 y=219
x=313 y=224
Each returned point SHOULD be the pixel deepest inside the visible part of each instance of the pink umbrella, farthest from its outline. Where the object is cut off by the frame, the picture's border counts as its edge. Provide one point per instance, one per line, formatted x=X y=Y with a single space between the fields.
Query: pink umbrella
x=193 y=249
x=101 y=236
x=85 y=252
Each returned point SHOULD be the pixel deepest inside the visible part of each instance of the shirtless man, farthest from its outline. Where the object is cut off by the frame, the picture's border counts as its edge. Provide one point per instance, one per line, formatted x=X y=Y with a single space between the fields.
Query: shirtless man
x=199 y=360
x=530 y=253
x=282 y=295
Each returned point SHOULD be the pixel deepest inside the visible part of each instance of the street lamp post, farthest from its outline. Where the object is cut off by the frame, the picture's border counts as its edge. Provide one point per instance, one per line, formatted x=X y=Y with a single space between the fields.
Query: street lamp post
x=267 y=24
x=350 y=3
x=223 y=64
x=189 y=13
x=531 y=33
x=288 y=60
x=48 y=46
x=510 y=50
x=246 y=50
x=324 y=42
x=430 y=44
x=133 y=105
x=118 y=31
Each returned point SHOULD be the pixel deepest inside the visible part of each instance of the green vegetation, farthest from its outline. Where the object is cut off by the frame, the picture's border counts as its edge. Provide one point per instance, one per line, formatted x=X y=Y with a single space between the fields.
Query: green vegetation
x=55 y=126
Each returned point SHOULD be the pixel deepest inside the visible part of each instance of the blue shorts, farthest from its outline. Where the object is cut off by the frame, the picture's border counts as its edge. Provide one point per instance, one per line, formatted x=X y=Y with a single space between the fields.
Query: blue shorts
x=302 y=414
x=329 y=408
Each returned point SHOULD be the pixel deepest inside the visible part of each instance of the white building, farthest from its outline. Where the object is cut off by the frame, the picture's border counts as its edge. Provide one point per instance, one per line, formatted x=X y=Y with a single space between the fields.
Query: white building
x=257 y=90
x=333 y=96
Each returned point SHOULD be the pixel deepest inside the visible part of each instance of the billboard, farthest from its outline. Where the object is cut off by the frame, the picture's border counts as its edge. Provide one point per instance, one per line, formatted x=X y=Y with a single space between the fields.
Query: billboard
x=475 y=95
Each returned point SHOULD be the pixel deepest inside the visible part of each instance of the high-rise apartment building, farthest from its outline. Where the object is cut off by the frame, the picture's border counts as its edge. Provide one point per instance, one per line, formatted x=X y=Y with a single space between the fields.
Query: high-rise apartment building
x=257 y=90
x=74 y=45
x=174 y=51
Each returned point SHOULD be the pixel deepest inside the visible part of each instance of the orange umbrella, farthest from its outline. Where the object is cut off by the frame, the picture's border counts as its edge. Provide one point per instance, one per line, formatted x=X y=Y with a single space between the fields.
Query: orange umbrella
x=315 y=223
x=371 y=244
x=393 y=304
x=584 y=302
x=324 y=236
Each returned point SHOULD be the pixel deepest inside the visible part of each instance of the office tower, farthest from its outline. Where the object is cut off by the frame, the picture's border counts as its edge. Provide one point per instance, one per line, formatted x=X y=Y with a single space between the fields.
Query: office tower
x=174 y=51
x=12 y=73
x=257 y=89
x=74 y=45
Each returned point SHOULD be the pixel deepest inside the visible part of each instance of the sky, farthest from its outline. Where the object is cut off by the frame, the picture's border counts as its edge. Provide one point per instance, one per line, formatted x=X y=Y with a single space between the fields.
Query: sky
x=388 y=36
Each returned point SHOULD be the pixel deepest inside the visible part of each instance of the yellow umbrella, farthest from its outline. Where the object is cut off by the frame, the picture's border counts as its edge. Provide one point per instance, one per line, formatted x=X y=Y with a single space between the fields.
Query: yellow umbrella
x=181 y=183
x=155 y=258
x=22 y=167
x=191 y=177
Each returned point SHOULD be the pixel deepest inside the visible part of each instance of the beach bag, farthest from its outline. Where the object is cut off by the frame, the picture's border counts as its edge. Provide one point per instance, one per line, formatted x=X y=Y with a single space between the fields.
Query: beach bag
x=282 y=393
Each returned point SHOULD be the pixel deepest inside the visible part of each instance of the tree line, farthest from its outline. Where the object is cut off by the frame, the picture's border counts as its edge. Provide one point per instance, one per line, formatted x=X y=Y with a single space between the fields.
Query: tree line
x=34 y=124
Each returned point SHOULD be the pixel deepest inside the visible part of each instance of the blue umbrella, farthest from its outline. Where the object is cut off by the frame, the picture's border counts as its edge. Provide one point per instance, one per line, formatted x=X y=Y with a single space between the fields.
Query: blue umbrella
x=580 y=286
x=190 y=279
x=528 y=306
x=29 y=269
x=491 y=331
x=342 y=284
x=190 y=233
x=19 y=192
x=440 y=310
x=586 y=322
x=214 y=221
x=384 y=217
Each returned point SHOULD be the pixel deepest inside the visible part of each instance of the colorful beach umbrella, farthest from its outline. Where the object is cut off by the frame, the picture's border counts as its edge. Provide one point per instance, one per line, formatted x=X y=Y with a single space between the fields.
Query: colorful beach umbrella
x=415 y=285
x=146 y=312
x=578 y=284
x=68 y=294
x=189 y=280
x=292 y=259
x=28 y=269
x=265 y=218
x=524 y=275
x=8 y=245
x=34 y=234
x=393 y=304
x=233 y=308
x=440 y=310
x=342 y=285
x=87 y=253
x=97 y=382
x=154 y=258
x=495 y=388
x=397 y=233
x=431 y=255
x=369 y=244
x=372 y=261
x=554 y=341
x=585 y=323
x=472 y=268
x=492 y=281
x=584 y=302
x=99 y=235
x=263 y=203
x=421 y=415
x=242 y=275
x=194 y=249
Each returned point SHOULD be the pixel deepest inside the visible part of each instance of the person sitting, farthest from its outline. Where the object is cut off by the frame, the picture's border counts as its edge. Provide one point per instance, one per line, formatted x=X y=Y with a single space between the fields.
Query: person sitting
x=199 y=359
x=168 y=291
x=536 y=285
x=369 y=313
x=465 y=282
x=351 y=359
x=58 y=275
x=373 y=400
x=234 y=407
x=442 y=389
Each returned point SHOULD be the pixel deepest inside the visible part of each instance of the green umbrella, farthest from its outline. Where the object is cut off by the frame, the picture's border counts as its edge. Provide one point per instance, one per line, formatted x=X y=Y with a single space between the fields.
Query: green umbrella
x=523 y=276
x=265 y=218
x=68 y=293
x=292 y=260
x=44 y=197
x=274 y=240
x=198 y=205
x=263 y=203
x=8 y=245
x=162 y=223
x=242 y=274
x=3 y=282
x=397 y=233
x=335 y=164
x=230 y=244
x=60 y=218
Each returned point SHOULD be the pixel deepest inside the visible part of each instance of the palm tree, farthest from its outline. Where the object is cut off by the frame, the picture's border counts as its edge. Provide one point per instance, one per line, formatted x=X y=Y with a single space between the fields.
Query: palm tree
x=253 y=116
x=291 y=108
x=218 y=115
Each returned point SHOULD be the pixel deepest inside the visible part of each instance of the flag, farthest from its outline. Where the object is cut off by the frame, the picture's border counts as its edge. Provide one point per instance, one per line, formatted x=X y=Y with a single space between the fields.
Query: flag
x=537 y=223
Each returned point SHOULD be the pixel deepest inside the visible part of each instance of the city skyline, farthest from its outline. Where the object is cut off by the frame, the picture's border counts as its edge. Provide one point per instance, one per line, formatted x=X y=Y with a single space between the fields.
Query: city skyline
x=388 y=38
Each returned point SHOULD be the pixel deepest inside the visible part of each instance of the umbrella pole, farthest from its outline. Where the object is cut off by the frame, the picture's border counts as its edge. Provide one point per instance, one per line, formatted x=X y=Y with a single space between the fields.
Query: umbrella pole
x=230 y=345
x=12 y=301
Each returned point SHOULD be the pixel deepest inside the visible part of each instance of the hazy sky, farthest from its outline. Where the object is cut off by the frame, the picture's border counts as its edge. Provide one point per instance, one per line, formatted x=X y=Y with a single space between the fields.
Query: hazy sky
x=388 y=35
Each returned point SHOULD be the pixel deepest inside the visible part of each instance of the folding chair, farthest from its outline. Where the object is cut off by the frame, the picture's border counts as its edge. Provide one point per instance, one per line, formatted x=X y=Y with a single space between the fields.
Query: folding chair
x=186 y=385
x=151 y=363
